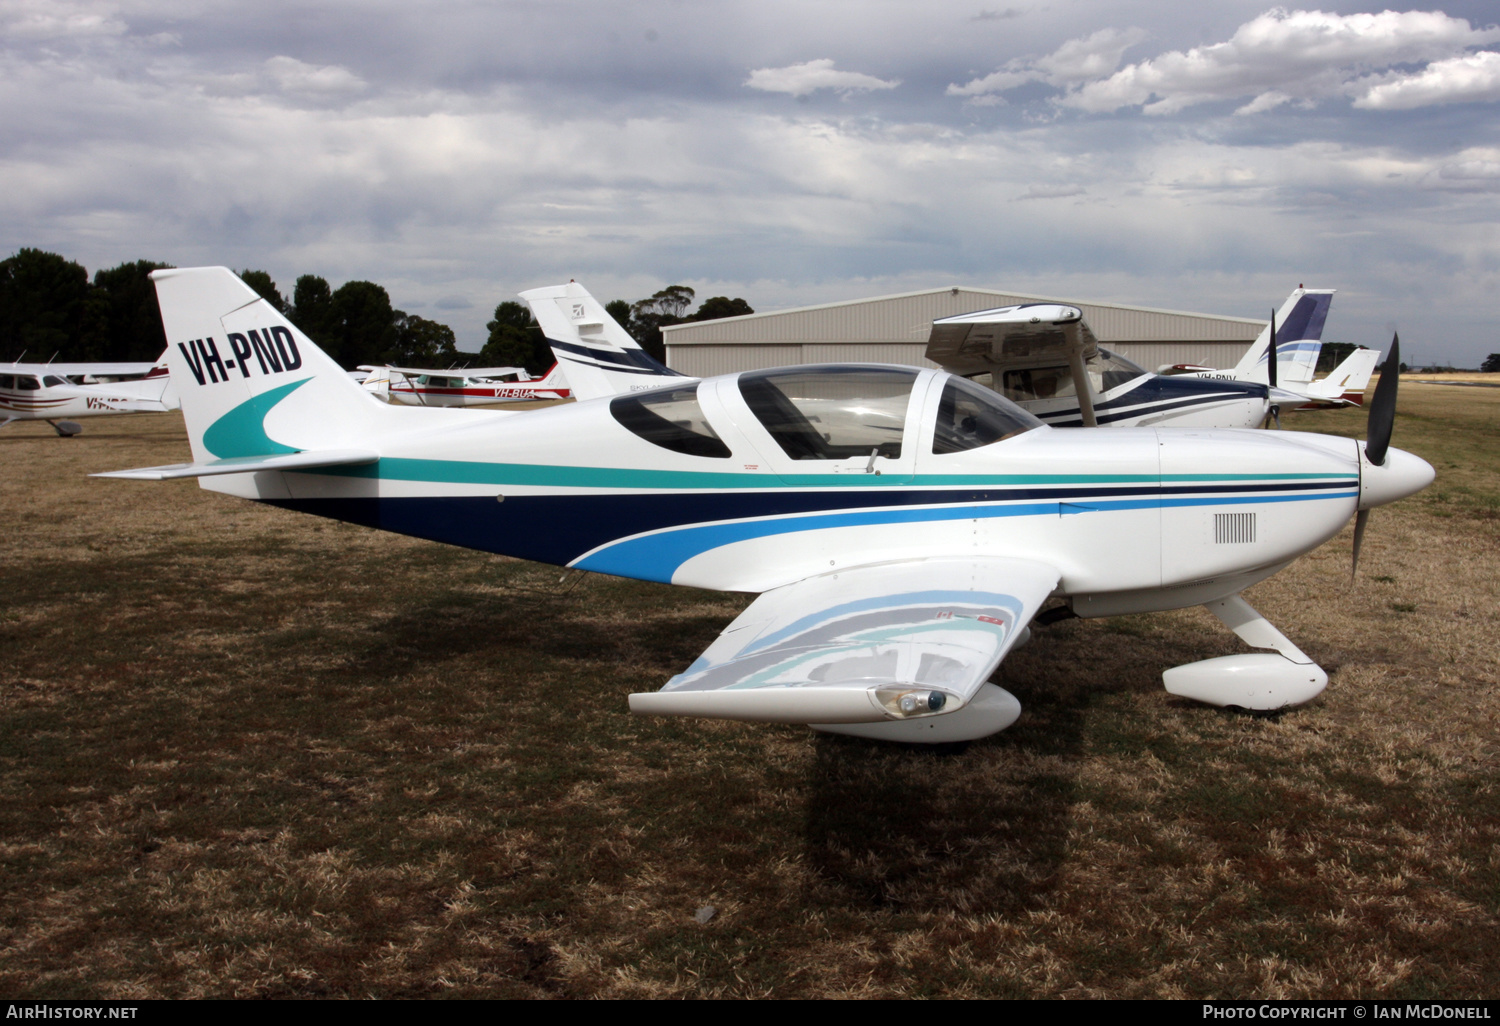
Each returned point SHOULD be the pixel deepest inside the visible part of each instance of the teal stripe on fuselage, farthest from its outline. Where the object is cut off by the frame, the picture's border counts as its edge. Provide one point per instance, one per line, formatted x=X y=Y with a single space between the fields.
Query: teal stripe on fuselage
x=658 y=556
x=551 y=476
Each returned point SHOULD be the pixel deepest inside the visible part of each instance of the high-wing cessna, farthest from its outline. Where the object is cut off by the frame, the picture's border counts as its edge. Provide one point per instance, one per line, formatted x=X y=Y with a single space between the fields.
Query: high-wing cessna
x=54 y=391
x=482 y=386
x=901 y=527
x=1036 y=353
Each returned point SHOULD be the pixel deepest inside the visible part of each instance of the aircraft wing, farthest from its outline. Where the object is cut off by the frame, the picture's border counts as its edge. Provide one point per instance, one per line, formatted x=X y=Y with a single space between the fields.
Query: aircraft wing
x=973 y=343
x=456 y=372
x=867 y=645
x=310 y=460
x=105 y=370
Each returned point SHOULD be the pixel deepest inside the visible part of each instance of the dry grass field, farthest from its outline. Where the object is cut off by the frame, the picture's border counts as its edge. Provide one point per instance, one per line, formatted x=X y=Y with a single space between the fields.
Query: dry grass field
x=247 y=753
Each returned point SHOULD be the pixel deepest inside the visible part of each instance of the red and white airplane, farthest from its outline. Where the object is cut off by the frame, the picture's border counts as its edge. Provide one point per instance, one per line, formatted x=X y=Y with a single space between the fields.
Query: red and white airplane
x=54 y=391
x=482 y=386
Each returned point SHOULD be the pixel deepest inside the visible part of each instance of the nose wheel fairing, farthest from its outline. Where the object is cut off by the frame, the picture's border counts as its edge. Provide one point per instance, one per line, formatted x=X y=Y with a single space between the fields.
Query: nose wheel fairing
x=1253 y=680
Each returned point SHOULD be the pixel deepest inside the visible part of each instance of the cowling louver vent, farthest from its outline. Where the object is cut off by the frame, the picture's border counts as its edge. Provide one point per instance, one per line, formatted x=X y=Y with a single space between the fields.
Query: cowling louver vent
x=1234 y=528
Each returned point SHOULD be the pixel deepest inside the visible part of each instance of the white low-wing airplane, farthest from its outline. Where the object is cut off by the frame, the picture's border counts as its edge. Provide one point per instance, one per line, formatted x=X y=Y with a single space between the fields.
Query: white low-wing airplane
x=902 y=527
x=479 y=386
x=59 y=392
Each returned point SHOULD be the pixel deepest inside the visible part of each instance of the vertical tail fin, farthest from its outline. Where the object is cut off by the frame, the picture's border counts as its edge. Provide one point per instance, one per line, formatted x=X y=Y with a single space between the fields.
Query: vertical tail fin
x=249 y=382
x=1349 y=379
x=598 y=356
x=1299 y=339
x=377 y=380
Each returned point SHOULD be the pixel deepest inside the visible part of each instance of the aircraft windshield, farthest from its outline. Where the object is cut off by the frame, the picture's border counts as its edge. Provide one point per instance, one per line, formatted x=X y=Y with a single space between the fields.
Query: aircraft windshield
x=1106 y=370
x=831 y=413
x=970 y=416
x=1117 y=370
x=672 y=419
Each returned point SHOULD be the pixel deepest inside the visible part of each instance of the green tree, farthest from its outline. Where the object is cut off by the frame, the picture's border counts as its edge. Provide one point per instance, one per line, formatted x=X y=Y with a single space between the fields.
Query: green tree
x=264 y=287
x=421 y=343
x=721 y=306
x=515 y=340
x=1491 y=363
x=364 y=323
x=354 y=323
x=620 y=311
x=312 y=310
x=649 y=316
x=124 y=315
x=43 y=303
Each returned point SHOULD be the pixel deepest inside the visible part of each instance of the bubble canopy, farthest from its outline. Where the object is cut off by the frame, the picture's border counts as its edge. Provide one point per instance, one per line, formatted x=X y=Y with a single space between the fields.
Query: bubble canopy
x=833 y=412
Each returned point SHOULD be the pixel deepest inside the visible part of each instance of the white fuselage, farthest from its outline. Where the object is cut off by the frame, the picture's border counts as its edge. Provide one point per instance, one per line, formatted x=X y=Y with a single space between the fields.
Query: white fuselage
x=1134 y=519
x=450 y=390
x=52 y=397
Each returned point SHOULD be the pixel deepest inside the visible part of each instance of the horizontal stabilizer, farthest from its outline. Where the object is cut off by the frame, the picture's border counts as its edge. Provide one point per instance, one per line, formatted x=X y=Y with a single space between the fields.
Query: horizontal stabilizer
x=249 y=464
x=1286 y=398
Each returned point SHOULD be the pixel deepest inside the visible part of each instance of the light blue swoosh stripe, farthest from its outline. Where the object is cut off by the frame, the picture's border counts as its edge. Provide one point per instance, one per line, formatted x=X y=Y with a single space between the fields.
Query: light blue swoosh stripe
x=657 y=557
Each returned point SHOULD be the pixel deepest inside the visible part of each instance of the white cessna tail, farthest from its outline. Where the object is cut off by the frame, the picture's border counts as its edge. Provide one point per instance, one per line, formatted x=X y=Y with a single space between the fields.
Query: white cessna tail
x=598 y=357
x=1346 y=384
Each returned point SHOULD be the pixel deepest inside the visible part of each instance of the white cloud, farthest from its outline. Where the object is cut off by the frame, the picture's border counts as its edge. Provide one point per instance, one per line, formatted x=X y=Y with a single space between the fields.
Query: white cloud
x=1281 y=56
x=1075 y=62
x=58 y=19
x=1036 y=192
x=330 y=81
x=804 y=79
x=442 y=152
x=1472 y=78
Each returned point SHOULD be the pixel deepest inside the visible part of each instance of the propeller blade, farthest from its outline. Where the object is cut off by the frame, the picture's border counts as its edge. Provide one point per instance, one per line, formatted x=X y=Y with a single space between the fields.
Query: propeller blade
x=1360 y=519
x=1383 y=406
x=1271 y=363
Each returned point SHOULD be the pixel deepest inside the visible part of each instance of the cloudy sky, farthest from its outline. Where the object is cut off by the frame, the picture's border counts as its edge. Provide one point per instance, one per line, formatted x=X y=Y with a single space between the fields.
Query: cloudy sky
x=1158 y=154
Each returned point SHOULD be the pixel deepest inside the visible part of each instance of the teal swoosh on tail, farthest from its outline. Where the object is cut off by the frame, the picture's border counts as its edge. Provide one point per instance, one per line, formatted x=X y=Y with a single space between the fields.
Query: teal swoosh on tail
x=242 y=431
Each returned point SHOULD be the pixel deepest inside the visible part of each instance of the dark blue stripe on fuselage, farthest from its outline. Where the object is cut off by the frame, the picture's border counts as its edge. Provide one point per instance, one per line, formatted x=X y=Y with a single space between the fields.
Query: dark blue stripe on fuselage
x=1158 y=393
x=560 y=528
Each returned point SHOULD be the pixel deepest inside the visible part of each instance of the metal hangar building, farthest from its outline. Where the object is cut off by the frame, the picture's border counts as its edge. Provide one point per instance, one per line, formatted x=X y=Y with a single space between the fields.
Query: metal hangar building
x=894 y=329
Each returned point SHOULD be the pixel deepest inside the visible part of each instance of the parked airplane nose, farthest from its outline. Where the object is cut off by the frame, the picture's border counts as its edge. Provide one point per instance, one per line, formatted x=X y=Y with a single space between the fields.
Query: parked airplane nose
x=1401 y=475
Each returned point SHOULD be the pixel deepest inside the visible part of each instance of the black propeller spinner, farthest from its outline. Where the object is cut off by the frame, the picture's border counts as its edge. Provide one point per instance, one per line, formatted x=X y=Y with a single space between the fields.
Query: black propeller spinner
x=1378 y=442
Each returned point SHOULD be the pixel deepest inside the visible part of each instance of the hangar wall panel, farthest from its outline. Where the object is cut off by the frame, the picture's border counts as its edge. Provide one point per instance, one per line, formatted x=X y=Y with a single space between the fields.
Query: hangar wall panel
x=706 y=361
